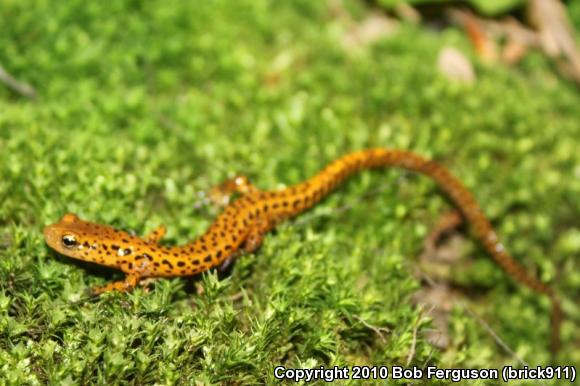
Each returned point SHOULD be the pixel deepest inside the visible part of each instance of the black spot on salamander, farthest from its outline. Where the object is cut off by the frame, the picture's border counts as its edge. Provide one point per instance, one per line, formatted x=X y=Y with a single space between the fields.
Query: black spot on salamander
x=195 y=262
x=207 y=259
x=228 y=247
x=127 y=251
x=148 y=257
x=219 y=254
x=130 y=265
x=166 y=262
x=86 y=244
x=156 y=264
x=180 y=264
x=125 y=241
x=115 y=247
x=138 y=257
x=105 y=247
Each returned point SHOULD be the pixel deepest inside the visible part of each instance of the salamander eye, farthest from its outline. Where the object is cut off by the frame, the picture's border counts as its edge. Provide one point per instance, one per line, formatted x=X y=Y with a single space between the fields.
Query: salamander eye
x=69 y=241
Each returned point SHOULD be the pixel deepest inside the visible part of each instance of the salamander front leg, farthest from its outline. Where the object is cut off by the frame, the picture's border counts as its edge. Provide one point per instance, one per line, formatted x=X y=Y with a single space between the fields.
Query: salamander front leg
x=156 y=236
x=122 y=285
x=221 y=194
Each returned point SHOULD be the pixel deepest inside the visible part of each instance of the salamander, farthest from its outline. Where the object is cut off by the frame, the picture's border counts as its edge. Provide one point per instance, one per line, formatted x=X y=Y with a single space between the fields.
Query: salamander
x=241 y=227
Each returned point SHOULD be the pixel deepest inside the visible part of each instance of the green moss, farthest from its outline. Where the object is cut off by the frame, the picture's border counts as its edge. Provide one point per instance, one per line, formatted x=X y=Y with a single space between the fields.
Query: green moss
x=142 y=105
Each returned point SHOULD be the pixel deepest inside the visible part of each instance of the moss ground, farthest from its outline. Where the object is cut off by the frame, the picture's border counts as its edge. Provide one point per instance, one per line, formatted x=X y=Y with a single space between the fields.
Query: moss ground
x=142 y=105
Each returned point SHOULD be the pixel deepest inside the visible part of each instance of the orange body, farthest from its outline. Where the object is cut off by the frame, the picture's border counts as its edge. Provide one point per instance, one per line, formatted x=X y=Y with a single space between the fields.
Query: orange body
x=243 y=224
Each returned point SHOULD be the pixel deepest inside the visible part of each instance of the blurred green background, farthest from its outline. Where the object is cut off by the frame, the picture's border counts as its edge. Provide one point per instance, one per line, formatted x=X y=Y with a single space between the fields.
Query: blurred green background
x=142 y=105
x=487 y=7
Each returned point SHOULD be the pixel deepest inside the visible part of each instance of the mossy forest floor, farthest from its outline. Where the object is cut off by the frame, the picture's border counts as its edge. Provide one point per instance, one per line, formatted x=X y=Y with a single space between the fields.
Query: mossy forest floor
x=141 y=105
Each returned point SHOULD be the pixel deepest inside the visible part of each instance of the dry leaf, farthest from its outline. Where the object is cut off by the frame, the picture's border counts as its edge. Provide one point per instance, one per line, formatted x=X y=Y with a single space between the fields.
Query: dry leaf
x=513 y=52
x=455 y=66
x=369 y=31
x=556 y=34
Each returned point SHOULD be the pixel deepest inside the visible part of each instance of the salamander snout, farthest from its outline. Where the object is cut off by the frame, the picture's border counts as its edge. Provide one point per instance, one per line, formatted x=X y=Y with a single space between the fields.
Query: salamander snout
x=50 y=235
x=63 y=235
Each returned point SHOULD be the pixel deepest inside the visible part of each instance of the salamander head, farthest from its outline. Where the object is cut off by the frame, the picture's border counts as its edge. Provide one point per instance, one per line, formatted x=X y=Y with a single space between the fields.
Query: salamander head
x=71 y=236
x=88 y=241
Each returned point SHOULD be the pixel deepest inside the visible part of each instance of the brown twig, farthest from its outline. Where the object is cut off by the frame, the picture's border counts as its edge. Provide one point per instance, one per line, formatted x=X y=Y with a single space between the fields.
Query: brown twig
x=378 y=330
x=480 y=321
x=21 y=88
x=415 y=328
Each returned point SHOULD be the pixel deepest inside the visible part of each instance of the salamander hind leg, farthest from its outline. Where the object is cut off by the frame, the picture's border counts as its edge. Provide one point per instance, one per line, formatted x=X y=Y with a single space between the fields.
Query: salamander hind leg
x=156 y=236
x=445 y=225
x=256 y=235
x=122 y=286
x=220 y=195
x=252 y=242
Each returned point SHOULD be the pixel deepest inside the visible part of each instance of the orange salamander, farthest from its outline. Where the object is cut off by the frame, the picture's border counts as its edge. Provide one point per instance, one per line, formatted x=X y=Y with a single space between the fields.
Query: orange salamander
x=242 y=226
